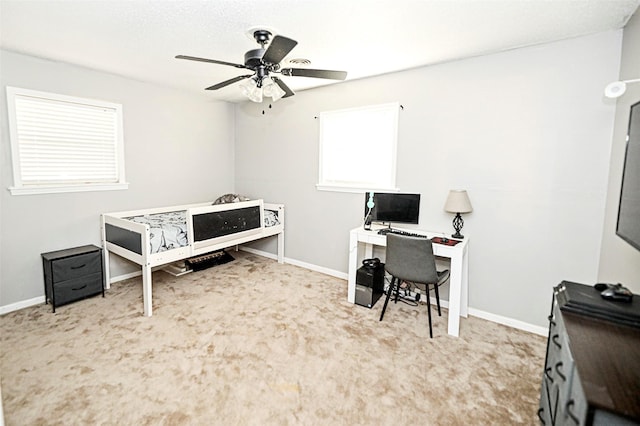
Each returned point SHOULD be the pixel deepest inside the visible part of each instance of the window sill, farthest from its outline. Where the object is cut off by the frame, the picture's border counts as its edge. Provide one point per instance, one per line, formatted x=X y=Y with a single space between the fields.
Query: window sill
x=354 y=189
x=53 y=189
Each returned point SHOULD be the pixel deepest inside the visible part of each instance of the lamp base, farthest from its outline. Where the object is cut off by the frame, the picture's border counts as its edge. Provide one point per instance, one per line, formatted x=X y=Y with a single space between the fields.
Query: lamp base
x=458 y=223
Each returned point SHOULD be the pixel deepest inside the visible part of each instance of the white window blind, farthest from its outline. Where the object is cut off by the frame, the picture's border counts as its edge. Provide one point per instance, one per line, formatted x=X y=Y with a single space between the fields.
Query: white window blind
x=61 y=143
x=358 y=148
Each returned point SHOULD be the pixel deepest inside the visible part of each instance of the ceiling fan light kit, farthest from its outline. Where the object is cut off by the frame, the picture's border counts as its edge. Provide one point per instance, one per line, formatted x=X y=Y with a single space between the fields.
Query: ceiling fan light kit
x=264 y=62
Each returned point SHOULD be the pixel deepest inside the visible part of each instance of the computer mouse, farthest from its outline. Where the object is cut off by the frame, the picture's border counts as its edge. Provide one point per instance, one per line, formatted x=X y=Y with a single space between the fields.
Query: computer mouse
x=617 y=293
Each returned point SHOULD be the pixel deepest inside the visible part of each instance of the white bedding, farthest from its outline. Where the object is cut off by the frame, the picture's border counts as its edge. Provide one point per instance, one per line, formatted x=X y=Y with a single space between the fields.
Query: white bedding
x=167 y=230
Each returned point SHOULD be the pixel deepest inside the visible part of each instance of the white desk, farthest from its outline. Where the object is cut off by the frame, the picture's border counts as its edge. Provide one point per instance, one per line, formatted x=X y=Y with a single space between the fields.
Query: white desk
x=361 y=244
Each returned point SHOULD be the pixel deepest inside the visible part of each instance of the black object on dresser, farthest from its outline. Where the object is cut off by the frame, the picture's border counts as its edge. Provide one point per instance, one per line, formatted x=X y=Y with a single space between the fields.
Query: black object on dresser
x=592 y=367
x=72 y=274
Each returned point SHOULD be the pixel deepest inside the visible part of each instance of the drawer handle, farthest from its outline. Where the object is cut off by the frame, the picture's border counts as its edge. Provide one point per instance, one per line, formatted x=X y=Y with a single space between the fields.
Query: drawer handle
x=79 y=267
x=562 y=376
x=78 y=288
x=554 y=339
x=540 y=411
x=573 y=417
x=546 y=373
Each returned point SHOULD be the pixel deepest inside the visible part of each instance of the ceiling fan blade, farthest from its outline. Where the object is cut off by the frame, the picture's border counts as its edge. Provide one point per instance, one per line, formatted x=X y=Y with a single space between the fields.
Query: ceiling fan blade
x=287 y=91
x=213 y=61
x=228 y=82
x=278 y=48
x=305 y=72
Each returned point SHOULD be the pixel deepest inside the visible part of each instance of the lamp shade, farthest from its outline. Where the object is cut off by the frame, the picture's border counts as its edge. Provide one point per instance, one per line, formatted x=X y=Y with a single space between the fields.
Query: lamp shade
x=458 y=202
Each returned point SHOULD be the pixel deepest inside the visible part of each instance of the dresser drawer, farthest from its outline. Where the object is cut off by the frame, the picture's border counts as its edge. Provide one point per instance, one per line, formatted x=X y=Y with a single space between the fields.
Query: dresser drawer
x=76 y=266
x=78 y=288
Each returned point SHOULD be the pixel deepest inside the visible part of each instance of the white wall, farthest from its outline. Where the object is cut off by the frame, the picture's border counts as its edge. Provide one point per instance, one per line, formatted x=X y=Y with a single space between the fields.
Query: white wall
x=619 y=261
x=527 y=132
x=178 y=149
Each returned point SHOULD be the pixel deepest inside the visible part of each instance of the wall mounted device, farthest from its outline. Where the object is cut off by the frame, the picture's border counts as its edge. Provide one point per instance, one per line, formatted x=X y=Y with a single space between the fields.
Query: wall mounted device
x=617 y=88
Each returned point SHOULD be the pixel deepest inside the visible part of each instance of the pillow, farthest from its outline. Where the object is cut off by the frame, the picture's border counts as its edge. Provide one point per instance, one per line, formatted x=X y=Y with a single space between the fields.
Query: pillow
x=230 y=198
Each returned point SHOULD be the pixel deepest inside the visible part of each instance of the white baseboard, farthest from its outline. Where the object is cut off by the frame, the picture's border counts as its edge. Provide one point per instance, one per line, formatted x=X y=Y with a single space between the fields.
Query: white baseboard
x=21 y=305
x=509 y=322
x=312 y=267
x=125 y=277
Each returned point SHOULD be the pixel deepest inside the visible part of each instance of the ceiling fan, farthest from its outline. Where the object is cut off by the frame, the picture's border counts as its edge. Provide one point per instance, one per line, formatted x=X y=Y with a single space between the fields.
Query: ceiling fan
x=265 y=62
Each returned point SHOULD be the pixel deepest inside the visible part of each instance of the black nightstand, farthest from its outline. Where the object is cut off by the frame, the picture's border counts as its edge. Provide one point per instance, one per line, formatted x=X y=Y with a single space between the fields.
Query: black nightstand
x=72 y=274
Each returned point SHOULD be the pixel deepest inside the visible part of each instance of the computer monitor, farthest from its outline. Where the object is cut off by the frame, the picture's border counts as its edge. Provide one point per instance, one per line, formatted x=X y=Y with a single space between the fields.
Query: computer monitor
x=393 y=207
x=628 y=226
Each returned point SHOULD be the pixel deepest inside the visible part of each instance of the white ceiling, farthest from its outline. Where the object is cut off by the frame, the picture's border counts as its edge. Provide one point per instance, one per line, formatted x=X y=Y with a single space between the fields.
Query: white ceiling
x=140 y=38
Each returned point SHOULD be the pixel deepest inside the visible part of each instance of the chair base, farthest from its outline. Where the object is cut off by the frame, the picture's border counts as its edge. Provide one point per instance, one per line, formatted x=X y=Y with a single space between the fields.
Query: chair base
x=395 y=286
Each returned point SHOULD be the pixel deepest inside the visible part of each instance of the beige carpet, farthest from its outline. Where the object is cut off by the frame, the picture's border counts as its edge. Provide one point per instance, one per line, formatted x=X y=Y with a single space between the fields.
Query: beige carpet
x=253 y=342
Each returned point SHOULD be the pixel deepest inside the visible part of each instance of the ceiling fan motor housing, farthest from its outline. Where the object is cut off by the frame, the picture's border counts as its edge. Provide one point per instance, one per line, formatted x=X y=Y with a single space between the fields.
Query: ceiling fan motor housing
x=253 y=58
x=262 y=36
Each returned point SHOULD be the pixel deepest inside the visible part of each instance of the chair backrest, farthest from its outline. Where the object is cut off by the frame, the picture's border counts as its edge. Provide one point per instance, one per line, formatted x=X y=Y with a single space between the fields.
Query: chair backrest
x=411 y=259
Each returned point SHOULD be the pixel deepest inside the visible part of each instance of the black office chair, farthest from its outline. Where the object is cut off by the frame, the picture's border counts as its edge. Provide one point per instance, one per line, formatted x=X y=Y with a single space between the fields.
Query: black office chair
x=411 y=259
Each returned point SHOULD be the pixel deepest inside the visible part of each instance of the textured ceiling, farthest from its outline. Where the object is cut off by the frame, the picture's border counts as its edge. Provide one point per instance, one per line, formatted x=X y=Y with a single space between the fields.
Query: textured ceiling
x=140 y=38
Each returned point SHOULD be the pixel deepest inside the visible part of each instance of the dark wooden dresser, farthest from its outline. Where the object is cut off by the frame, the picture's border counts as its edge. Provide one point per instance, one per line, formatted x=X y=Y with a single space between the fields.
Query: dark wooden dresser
x=72 y=274
x=592 y=367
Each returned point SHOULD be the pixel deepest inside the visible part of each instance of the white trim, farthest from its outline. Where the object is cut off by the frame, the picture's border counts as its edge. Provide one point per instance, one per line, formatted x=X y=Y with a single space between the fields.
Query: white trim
x=42 y=185
x=509 y=322
x=353 y=189
x=21 y=305
x=31 y=190
x=125 y=277
x=364 y=128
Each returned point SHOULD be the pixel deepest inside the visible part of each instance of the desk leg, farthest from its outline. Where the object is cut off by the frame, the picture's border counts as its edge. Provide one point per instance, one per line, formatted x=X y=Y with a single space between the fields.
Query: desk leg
x=455 y=290
x=464 y=296
x=353 y=267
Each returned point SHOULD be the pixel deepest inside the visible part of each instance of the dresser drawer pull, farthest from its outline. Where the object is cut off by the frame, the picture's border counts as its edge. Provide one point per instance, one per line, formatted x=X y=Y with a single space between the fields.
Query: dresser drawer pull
x=570 y=414
x=562 y=376
x=79 y=267
x=554 y=339
x=78 y=288
x=546 y=373
x=540 y=411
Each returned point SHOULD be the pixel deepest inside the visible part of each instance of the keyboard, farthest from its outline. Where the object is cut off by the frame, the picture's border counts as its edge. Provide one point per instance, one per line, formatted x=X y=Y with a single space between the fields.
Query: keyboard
x=385 y=231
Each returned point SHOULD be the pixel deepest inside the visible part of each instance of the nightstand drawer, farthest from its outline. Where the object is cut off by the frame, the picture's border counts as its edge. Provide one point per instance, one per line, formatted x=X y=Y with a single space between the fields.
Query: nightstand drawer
x=76 y=266
x=79 y=288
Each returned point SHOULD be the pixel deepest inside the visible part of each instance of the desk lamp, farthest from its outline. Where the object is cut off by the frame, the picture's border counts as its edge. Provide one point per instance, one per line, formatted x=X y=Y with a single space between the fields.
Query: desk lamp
x=458 y=202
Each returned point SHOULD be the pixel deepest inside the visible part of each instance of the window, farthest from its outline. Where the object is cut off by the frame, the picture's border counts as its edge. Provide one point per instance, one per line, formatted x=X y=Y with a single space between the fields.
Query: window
x=63 y=143
x=358 y=148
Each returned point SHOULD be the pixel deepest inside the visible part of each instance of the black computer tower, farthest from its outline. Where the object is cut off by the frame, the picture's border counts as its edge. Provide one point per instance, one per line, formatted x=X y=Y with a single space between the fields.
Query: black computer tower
x=369 y=284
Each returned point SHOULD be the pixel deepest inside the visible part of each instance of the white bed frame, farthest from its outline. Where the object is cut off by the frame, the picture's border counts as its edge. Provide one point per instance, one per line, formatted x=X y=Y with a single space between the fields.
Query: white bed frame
x=137 y=249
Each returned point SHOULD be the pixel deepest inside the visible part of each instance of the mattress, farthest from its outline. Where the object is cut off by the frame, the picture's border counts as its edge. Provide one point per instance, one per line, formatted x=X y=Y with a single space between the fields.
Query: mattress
x=169 y=230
